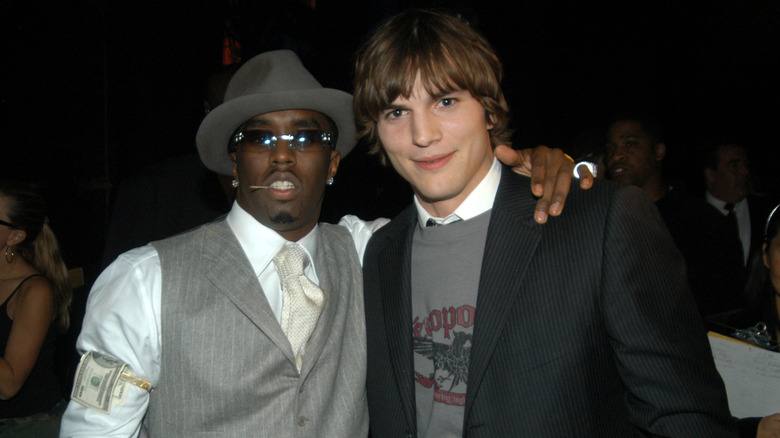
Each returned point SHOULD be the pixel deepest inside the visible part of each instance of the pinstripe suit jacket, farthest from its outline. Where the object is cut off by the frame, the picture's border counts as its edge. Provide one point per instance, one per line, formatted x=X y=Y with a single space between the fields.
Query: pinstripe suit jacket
x=584 y=327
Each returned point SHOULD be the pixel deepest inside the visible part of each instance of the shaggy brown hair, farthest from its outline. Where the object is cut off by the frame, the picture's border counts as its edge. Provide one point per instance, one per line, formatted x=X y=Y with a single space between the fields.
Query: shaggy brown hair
x=448 y=54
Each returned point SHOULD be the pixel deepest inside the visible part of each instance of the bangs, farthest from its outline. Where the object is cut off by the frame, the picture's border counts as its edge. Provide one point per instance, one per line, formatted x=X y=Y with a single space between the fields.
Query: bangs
x=445 y=58
x=436 y=71
x=444 y=52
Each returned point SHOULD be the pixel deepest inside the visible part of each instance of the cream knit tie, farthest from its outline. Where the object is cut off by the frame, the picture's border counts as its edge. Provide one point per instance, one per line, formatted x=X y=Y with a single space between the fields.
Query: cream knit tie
x=302 y=300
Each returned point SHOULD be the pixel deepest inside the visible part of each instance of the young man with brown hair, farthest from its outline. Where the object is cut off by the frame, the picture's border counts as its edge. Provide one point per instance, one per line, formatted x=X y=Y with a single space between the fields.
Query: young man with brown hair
x=493 y=325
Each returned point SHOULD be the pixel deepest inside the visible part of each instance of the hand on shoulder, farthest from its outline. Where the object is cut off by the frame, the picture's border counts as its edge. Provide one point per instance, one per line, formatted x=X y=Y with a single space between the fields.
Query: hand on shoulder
x=551 y=172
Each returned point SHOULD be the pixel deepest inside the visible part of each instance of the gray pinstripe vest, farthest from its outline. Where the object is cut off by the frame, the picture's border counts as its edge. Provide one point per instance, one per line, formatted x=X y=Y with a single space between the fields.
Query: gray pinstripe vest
x=227 y=368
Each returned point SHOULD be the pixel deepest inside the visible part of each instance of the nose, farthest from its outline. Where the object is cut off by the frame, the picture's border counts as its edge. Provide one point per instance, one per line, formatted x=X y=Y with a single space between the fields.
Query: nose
x=743 y=169
x=282 y=154
x=615 y=153
x=425 y=129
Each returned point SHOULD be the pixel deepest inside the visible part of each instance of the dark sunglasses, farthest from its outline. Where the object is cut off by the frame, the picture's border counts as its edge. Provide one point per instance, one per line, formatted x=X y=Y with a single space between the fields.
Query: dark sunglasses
x=2 y=222
x=304 y=140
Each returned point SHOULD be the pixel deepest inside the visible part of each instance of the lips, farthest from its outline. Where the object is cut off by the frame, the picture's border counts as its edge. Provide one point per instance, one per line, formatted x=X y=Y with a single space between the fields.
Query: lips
x=282 y=185
x=434 y=163
x=617 y=170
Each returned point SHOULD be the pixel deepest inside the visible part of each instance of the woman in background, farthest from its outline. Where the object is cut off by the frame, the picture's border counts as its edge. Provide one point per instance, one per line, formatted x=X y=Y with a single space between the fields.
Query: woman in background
x=767 y=301
x=763 y=291
x=764 y=287
x=35 y=295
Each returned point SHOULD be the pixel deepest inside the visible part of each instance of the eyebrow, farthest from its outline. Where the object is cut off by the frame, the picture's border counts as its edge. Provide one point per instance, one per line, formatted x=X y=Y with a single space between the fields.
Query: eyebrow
x=431 y=98
x=442 y=93
x=393 y=107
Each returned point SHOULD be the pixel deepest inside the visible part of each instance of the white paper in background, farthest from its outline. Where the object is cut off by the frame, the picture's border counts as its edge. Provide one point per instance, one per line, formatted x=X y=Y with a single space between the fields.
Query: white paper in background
x=751 y=375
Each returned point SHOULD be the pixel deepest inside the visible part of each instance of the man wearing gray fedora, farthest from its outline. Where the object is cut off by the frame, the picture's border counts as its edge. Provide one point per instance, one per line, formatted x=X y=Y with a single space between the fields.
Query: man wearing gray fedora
x=251 y=325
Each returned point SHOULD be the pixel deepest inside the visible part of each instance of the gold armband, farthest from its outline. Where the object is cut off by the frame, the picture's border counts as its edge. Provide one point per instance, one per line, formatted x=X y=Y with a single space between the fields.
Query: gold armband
x=137 y=381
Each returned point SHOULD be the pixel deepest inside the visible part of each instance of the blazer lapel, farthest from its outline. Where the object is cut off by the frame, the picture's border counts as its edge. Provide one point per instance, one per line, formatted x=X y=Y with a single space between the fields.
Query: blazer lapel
x=512 y=239
x=395 y=283
x=227 y=267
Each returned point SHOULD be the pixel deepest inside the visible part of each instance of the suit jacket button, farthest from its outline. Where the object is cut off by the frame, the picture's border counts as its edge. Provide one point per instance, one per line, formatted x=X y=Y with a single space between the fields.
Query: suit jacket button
x=302 y=420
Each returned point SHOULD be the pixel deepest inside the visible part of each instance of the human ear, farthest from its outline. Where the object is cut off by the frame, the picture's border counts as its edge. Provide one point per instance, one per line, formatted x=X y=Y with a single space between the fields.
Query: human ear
x=709 y=176
x=490 y=118
x=660 y=151
x=16 y=237
x=233 y=160
x=333 y=166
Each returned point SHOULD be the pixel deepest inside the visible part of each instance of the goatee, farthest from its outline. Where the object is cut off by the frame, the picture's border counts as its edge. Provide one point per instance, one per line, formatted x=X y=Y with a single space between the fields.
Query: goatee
x=283 y=218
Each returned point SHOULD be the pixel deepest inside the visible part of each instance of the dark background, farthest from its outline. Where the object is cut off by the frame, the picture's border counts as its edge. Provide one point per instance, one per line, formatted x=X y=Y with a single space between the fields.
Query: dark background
x=92 y=91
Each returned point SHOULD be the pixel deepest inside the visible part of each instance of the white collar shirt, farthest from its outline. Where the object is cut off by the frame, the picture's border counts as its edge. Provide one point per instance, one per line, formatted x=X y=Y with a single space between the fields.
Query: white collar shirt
x=743 y=219
x=260 y=245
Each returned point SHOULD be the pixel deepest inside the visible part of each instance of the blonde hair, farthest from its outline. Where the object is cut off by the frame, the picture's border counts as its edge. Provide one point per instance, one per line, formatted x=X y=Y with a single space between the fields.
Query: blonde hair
x=26 y=211
x=447 y=53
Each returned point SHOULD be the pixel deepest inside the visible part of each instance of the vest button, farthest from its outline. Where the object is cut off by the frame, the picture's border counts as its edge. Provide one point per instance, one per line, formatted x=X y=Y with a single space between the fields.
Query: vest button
x=302 y=420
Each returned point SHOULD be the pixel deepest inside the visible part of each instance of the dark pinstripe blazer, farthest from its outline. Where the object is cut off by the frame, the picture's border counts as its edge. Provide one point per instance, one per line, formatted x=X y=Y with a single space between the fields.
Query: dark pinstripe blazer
x=585 y=325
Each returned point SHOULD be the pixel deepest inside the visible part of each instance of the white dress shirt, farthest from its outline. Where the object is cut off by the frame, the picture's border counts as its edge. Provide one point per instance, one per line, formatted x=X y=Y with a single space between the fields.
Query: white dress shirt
x=123 y=314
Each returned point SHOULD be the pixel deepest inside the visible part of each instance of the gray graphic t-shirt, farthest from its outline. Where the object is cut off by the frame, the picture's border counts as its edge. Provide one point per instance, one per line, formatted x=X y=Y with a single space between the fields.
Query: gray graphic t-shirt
x=446 y=263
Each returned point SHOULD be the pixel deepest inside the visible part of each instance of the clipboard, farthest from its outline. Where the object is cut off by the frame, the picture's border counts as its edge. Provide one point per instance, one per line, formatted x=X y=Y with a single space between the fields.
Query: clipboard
x=751 y=375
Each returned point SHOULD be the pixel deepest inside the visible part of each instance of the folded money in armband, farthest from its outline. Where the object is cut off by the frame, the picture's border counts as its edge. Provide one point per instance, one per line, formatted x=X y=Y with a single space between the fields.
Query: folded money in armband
x=102 y=380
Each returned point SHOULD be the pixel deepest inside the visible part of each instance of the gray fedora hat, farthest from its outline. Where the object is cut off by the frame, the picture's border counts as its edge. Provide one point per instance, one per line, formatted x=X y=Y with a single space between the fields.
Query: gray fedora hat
x=271 y=81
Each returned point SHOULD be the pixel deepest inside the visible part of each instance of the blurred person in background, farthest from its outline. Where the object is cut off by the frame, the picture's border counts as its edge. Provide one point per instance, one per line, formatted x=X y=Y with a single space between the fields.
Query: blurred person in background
x=634 y=153
x=35 y=294
x=730 y=189
x=763 y=290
